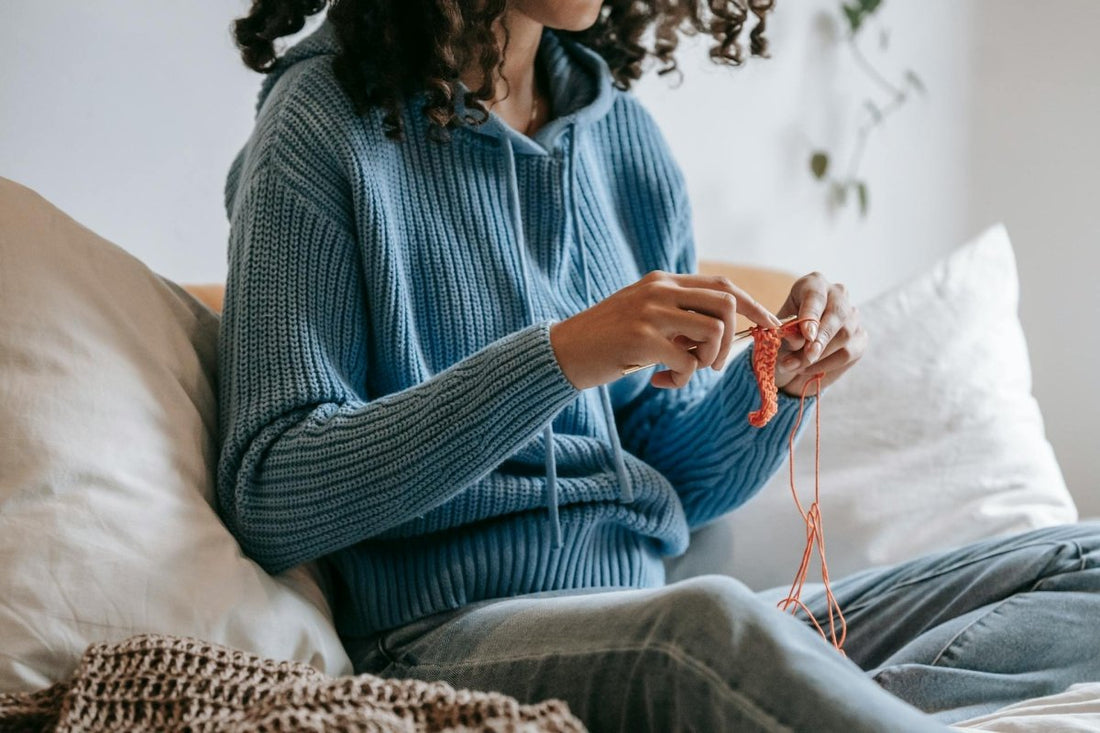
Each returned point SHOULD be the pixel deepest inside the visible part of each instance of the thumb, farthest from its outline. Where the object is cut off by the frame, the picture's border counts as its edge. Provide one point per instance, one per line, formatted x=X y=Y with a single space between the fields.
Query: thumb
x=784 y=377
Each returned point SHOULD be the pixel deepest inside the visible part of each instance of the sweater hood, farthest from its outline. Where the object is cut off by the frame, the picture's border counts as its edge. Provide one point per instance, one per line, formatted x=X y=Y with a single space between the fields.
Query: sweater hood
x=321 y=42
x=581 y=89
x=581 y=93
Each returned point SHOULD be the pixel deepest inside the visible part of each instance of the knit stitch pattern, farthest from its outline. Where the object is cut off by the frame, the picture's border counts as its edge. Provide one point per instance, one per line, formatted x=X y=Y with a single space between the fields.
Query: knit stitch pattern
x=161 y=683
x=386 y=369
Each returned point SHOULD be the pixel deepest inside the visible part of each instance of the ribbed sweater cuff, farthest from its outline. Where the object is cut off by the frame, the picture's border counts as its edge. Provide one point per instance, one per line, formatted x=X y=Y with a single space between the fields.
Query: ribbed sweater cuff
x=711 y=453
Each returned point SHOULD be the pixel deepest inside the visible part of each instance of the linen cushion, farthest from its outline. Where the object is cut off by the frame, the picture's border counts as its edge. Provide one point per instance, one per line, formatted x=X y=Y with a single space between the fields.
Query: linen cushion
x=107 y=445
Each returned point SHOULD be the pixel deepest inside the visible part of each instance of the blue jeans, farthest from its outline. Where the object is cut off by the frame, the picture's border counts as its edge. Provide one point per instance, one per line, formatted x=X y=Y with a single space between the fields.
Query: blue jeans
x=954 y=634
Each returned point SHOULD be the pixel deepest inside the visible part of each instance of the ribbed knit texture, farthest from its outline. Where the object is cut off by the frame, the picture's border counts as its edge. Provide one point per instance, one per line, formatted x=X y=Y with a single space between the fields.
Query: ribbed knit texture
x=388 y=384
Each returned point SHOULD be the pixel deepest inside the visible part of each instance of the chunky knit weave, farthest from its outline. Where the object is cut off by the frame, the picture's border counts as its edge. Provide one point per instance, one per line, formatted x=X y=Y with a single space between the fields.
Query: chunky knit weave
x=165 y=683
x=390 y=397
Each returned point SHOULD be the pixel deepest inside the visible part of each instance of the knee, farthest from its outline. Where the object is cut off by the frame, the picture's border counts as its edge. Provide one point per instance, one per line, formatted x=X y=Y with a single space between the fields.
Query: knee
x=710 y=616
x=687 y=669
x=715 y=649
x=1087 y=543
x=1081 y=543
x=707 y=594
x=1064 y=557
x=1090 y=544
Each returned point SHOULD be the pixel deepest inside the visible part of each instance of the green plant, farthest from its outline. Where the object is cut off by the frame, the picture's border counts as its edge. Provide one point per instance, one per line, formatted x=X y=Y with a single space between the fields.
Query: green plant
x=849 y=185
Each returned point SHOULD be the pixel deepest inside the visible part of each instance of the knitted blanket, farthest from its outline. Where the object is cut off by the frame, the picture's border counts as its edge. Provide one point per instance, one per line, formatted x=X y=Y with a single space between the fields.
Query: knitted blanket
x=158 y=683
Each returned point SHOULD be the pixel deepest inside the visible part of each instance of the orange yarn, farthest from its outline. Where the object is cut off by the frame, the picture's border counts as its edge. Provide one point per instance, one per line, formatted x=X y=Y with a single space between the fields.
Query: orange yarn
x=765 y=353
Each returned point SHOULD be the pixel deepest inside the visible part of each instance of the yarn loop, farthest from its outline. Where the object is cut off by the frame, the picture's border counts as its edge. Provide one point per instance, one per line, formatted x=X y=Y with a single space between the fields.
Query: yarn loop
x=766 y=345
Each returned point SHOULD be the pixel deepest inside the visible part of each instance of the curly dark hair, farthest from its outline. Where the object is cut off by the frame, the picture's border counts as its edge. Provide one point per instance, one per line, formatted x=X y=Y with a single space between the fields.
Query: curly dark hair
x=393 y=48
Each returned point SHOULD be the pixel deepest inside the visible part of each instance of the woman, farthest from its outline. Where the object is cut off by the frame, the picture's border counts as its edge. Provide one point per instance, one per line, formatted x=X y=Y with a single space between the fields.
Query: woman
x=451 y=231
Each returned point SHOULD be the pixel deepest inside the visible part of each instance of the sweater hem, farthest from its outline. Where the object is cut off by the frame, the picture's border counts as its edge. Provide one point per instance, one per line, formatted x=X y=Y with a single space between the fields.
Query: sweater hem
x=385 y=585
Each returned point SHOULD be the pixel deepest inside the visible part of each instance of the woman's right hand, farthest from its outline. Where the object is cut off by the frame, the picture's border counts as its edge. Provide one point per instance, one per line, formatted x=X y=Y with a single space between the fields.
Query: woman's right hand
x=655 y=320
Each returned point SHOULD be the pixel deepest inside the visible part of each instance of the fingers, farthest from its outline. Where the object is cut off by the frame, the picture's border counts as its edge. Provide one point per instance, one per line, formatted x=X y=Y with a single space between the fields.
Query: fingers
x=836 y=316
x=682 y=364
x=793 y=341
x=843 y=351
x=702 y=309
x=829 y=365
x=786 y=370
x=850 y=336
x=840 y=355
x=810 y=296
x=709 y=333
x=715 y=297
x=789 y=361
x=789 y=307
x=746 y=305
x=824 y=311
x=669 y=379
x=721 y=307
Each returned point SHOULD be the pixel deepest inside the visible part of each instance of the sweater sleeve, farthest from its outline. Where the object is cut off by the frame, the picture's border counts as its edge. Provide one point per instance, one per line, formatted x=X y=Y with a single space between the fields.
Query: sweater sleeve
x=700 y=439
x=699 y=436
x=308 y=464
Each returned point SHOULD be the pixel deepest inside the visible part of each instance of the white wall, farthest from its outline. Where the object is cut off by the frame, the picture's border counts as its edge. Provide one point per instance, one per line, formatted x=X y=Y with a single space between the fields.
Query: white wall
x=1034 y=158
x=1008 y=132
x=127 y=114
x=744 y=137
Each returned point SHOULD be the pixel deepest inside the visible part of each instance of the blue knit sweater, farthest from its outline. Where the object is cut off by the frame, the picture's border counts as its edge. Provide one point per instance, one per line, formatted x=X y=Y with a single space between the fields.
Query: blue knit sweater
x=390 y=400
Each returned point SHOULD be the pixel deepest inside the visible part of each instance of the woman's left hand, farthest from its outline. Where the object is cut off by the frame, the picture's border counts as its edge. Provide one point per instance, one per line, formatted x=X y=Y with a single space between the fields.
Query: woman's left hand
x=831 y=341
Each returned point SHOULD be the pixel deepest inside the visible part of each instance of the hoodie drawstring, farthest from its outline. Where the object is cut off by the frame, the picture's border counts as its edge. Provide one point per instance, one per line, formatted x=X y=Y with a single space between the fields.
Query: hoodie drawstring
x=548 y=431
x=626 y=490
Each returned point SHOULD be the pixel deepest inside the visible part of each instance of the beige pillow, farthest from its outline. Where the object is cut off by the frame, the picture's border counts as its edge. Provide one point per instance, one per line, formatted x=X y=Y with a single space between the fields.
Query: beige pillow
x=107 y=449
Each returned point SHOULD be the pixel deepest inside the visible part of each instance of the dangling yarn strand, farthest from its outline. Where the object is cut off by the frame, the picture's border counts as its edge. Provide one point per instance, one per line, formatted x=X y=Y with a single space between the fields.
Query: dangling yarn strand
x=765 y=353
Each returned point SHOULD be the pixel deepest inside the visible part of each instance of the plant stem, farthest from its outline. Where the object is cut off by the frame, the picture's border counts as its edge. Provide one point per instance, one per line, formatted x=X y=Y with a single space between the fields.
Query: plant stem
x=865 y=131
x=871 y=71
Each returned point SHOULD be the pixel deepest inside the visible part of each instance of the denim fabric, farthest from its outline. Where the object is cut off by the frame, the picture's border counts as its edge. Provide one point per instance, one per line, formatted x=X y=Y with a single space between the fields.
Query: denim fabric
x=964 y=632
x=956 y=634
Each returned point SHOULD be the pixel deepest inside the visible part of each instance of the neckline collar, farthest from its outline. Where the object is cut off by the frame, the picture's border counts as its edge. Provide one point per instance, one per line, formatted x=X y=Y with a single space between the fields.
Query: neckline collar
x=580 y=91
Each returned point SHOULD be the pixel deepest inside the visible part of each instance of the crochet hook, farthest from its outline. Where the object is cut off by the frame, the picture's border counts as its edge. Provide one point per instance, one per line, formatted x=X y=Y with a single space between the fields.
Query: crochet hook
x=743 y=334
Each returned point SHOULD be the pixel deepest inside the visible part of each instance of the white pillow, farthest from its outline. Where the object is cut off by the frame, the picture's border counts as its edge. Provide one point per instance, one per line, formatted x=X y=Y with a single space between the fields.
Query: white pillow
x=933 y=440
x=107 y=444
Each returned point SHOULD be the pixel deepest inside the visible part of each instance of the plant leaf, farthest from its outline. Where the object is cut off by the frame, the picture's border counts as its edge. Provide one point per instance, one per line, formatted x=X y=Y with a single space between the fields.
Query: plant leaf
x=861 y=191
x=854 y=16
x=839 y=193
x=915 y=81
x=858 y=11
x=819 y=164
